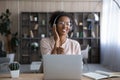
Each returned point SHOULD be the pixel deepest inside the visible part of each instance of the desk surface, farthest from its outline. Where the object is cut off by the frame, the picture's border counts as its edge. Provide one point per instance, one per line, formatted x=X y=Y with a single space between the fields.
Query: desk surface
x=36 y=76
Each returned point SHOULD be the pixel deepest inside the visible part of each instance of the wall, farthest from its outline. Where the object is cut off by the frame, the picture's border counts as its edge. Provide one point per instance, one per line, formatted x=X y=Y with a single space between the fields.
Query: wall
x=18 y=6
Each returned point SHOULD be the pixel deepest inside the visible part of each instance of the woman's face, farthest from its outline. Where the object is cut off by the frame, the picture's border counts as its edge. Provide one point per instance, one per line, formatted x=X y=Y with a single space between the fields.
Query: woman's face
x=63 y=25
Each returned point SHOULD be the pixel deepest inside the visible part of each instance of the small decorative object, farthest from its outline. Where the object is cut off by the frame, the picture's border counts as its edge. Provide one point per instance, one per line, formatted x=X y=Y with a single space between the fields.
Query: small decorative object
x=77 y=34
x=96 y=17
x=25 y=35
x=34 y=46
x=35 y=19
x=31 y=18
x=93 y=17
x=43 y=22
x=81 y=34
x=42 y=35
x=85 y=28
x=80 y=23
x=90 y=26
x=14 y=69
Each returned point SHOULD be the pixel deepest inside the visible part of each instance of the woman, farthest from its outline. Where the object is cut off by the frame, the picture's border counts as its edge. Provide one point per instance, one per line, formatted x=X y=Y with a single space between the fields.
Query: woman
x=59 y=43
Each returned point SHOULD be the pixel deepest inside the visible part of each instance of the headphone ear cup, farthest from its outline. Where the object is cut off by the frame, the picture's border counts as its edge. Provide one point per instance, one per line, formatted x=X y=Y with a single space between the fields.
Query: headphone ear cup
x=54 y=24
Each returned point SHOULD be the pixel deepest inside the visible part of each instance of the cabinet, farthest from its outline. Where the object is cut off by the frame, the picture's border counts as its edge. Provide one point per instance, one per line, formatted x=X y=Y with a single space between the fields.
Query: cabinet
x=35 y=25
x=88 y=32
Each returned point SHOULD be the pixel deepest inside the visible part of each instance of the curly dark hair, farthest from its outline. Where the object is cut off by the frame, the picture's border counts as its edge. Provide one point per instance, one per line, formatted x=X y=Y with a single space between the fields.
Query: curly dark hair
x=57 y=14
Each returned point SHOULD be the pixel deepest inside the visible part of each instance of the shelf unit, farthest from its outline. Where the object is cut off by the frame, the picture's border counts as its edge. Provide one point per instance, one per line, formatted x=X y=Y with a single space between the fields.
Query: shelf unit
x=35 y=25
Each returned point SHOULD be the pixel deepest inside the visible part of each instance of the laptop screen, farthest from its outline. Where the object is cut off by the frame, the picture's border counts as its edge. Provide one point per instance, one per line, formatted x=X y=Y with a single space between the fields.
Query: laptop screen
x=62 y=67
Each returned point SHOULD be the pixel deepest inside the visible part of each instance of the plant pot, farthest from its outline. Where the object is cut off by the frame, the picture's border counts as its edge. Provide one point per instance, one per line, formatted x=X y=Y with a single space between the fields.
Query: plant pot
x=15 y=73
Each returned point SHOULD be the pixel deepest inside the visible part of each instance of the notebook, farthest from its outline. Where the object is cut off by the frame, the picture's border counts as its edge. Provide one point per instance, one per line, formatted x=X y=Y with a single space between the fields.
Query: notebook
x=62 y=67
x=94 y=76
x=99 y=75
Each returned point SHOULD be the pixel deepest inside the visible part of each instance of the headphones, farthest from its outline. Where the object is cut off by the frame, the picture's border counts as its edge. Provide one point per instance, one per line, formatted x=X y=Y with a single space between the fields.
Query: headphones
x=54 y=23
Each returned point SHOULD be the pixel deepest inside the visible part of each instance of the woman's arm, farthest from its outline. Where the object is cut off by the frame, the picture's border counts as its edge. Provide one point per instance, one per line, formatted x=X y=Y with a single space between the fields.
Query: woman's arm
x=78 y=49
x=45 y=46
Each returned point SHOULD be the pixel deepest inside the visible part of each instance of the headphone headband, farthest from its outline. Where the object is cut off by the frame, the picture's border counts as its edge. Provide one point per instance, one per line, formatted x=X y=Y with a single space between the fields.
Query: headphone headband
x=56 y=19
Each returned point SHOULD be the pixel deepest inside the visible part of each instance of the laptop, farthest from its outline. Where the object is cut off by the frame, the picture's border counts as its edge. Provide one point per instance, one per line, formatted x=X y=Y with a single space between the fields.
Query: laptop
x=62 y=67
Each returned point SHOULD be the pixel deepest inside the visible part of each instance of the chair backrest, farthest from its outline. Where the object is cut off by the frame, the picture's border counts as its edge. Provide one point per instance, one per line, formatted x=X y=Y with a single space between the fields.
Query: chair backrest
x=4 y=62
x=85 y=52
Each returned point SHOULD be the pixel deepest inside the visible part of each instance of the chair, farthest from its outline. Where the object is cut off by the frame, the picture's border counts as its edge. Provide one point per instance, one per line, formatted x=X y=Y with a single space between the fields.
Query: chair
x=4 y=62
x=85 y=54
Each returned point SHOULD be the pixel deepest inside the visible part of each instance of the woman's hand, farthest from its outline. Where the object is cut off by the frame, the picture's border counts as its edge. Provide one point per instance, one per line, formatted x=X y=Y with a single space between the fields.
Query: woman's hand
x=56 y=36
x=57 y=48
x=60 y=50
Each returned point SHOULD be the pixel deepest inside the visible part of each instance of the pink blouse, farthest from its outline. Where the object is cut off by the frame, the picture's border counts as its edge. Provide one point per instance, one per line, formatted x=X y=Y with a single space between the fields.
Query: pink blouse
x=70 y=46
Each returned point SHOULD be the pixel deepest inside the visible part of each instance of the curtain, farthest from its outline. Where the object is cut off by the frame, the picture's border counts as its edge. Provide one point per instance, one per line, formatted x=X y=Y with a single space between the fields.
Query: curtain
x=110 y=34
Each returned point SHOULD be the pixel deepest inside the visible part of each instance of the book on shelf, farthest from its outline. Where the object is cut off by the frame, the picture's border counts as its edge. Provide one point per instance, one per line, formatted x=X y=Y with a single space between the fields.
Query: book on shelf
x=36 y=27
x=31 y=34
x=99 y=75
x=84 y=34
x=76 y=21
x=93 y=34
x=71 y=35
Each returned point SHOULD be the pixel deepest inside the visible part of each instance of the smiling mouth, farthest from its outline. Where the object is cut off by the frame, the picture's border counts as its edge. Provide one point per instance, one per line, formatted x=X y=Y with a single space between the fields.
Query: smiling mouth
x=63 y=30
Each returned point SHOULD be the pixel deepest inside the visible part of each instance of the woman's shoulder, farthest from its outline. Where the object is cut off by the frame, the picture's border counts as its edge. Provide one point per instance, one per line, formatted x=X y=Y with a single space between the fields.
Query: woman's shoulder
x=46 y=39
x=73 y=41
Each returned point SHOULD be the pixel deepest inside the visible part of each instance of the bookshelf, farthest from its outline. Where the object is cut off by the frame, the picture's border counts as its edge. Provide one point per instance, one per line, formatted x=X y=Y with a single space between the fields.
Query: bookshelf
x=35 y=25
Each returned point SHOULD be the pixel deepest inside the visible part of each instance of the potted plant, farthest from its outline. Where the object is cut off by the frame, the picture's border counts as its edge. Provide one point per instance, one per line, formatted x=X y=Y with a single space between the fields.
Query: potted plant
x=14 y=69
x=7 y=38
x=5 y=25
x=12 y=45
